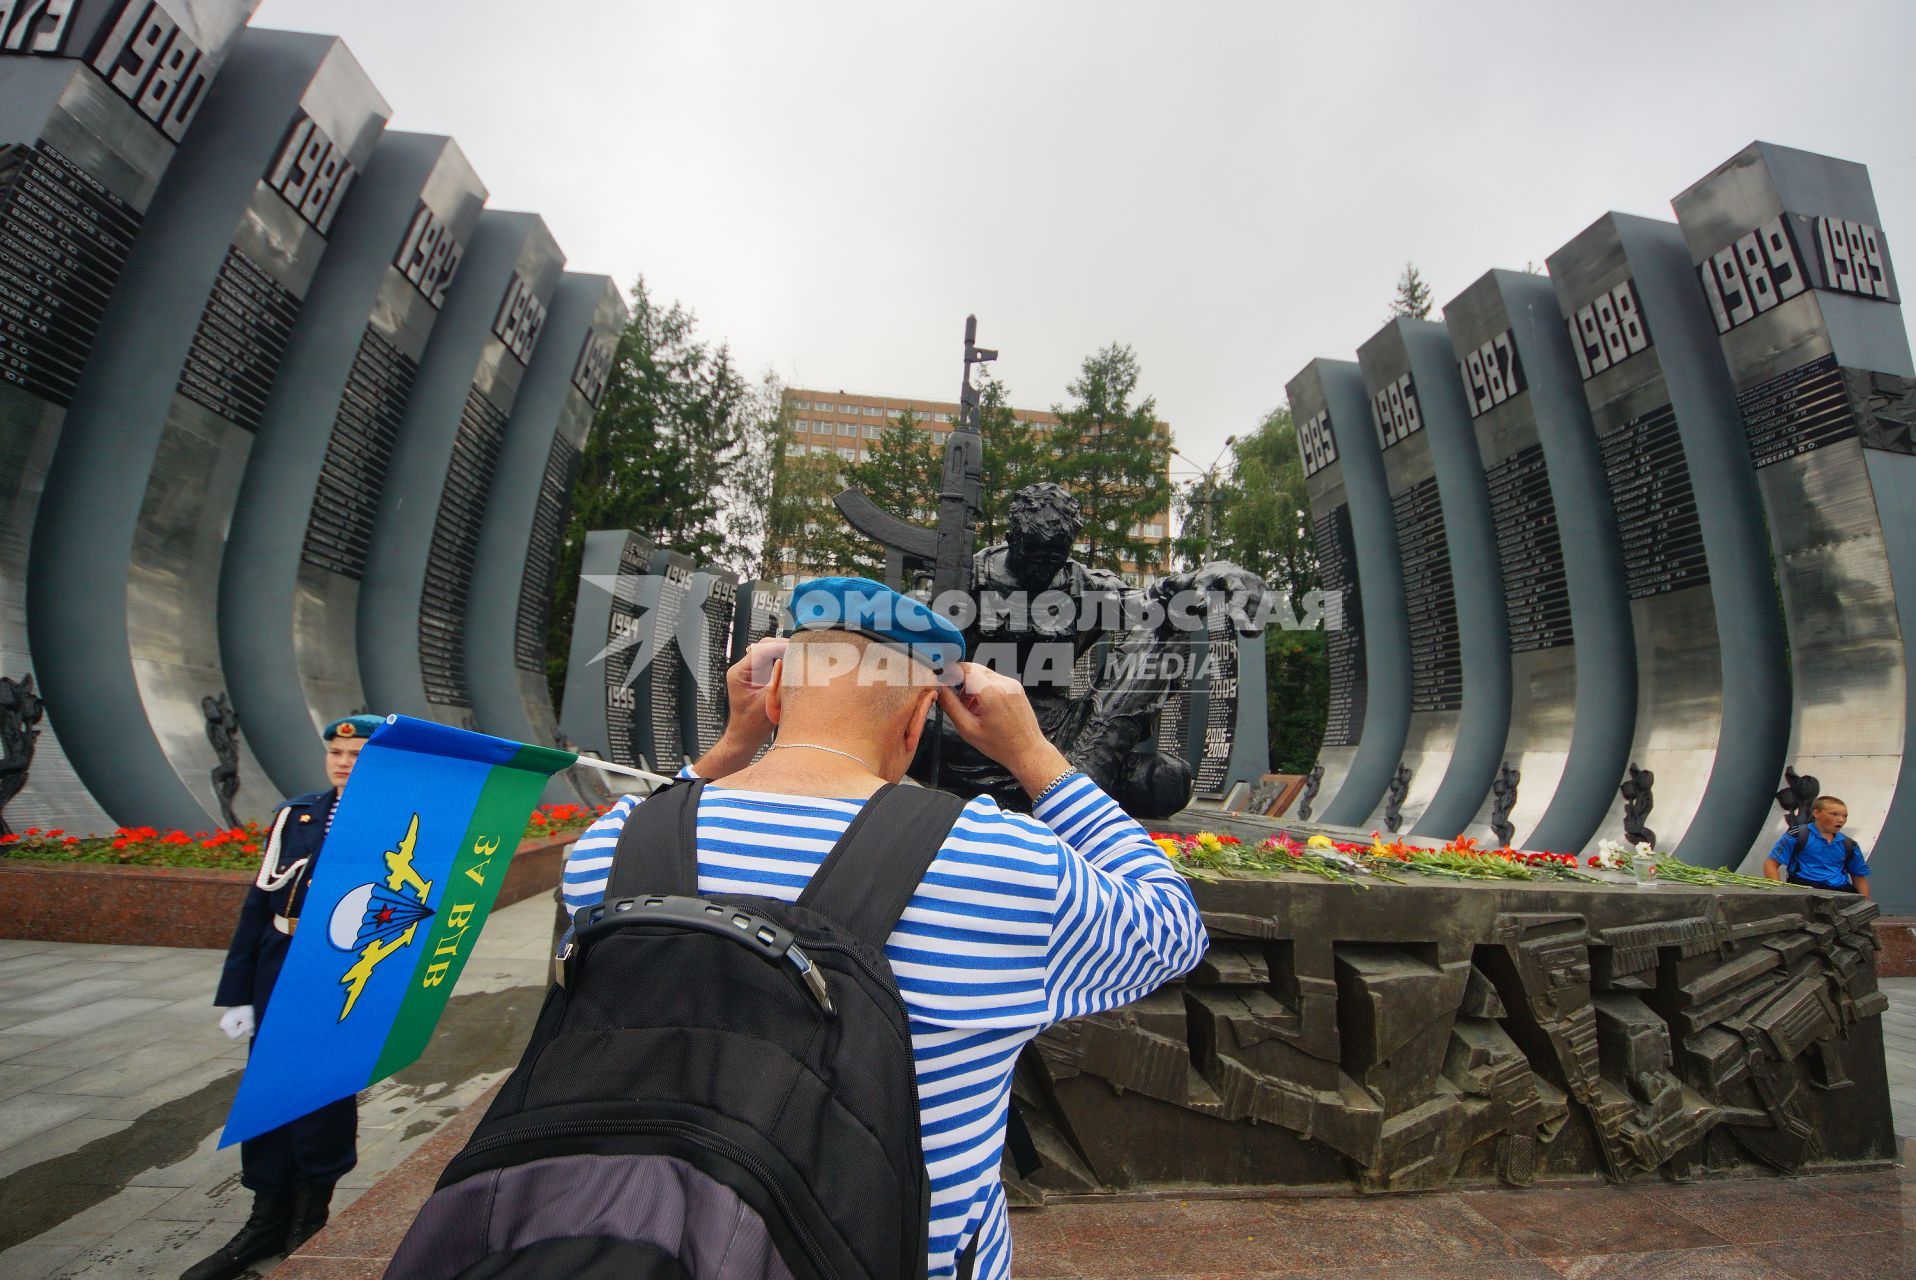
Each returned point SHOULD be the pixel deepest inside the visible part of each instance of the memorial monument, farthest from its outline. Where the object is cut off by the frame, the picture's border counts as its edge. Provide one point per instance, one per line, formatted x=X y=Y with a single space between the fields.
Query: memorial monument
x=1426 y=1035
x=98 y=99
x=414 y=599
x=303 y=521
x=1702 y=602
x=704 y=635
x=663 y=595
x=595 y=712
x=1028 y=609
x=530 y=501
x=1795 y=268
x=123 y=577
x=1572 y=660
x=216 y=358
x=1368 y=716
x=1447 y=546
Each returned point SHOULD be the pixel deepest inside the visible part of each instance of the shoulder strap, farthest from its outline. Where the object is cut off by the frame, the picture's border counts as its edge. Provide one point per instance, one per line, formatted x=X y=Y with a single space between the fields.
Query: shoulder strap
x=868 y=878
x=1800 y=841
x=658 y=849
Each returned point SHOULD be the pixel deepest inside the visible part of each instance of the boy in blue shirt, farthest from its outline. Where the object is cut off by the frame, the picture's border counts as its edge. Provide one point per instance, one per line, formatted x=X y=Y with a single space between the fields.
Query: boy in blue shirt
x=1818 y=855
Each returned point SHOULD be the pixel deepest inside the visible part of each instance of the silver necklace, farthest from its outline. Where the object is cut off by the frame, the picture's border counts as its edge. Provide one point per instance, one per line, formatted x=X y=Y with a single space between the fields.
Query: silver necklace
x=813 y=746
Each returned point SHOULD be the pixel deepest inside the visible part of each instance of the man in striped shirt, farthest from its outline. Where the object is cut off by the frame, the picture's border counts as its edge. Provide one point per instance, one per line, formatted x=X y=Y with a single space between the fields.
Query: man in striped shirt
x=1020 y=921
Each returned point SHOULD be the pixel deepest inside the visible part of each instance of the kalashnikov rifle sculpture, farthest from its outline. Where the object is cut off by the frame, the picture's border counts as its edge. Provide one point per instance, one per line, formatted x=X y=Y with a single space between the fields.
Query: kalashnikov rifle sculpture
x=946 y=550
x=960 y=504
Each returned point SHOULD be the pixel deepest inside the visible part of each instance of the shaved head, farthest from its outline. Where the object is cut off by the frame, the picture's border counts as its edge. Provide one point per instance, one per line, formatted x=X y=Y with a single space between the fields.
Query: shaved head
x=842 y=675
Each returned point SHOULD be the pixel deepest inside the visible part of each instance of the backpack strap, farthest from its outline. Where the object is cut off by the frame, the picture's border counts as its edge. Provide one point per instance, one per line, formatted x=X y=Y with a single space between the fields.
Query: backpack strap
x=1799 y=841
x=658 y=849
x=868 y=879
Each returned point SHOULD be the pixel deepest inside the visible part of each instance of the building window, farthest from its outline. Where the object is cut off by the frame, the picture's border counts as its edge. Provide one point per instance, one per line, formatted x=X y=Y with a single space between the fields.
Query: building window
x=788 y=580
x=847 y=454
x=872 y=433
x=848 y=428
x=873 y=411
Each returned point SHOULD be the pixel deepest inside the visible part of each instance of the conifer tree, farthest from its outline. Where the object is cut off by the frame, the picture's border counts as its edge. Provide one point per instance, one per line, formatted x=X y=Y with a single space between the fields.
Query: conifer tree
x=659 y=459
x=1413 y=295
x=1113 y=456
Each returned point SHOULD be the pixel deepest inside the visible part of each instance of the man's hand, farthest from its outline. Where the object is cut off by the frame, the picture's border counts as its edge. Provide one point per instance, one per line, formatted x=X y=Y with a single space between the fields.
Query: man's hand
x=747 y=728
x=237 y=1022
x=993 y=715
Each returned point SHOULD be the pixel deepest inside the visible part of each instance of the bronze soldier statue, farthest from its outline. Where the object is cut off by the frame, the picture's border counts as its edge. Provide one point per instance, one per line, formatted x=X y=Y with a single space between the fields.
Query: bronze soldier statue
x=1040 y=611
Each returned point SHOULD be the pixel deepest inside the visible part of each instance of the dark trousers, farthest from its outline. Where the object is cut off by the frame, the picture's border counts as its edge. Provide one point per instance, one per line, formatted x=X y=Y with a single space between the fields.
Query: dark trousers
x=316 y=1150
x=1828 y=888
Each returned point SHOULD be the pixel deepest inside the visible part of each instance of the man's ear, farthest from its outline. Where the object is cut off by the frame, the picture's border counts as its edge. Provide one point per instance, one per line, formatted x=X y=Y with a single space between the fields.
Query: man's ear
x=774 y=696
x=921 y=704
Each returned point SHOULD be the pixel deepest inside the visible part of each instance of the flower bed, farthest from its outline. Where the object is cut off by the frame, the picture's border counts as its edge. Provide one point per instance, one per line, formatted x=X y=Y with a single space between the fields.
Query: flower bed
x=237 y=848
x=52 y=891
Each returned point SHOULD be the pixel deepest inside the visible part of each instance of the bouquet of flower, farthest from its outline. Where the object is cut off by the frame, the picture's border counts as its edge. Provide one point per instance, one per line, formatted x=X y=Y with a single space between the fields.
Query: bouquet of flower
x=1646 y=863
x=1208 y=856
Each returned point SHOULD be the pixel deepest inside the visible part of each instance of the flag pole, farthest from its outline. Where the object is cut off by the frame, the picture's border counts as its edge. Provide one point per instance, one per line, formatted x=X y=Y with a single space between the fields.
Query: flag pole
x=653 y=780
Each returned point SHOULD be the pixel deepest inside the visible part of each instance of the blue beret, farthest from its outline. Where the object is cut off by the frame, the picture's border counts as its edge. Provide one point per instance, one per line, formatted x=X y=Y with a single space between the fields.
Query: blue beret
x=352 y=727
x=873 y=609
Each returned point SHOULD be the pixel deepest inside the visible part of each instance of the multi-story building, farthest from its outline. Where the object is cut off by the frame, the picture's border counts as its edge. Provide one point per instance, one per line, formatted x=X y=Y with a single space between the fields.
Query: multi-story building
x=847 y=426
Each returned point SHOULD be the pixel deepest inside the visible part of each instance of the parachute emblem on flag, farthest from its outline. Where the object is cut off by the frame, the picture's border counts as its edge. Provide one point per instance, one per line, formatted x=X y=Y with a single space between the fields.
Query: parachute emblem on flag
x=378 y=918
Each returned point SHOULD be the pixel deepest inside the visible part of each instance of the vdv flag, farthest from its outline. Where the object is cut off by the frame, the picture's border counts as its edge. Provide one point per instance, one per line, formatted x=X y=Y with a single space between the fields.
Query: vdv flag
x=406 y=878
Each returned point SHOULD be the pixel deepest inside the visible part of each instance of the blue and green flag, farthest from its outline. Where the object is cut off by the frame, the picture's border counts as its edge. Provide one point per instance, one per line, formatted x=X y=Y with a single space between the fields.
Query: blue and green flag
x=421 y=840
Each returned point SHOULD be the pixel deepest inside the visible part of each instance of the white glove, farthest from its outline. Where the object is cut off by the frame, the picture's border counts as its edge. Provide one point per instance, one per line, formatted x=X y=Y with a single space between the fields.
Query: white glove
x=237 y=1021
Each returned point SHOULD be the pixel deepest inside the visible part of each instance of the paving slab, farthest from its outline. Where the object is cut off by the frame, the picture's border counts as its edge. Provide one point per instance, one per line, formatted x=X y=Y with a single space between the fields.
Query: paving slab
x=140 y=1067
x=145 y=1247
x=26 y=1115
x=13 y=1047
x=58 y=996
x=125 y=1178
x=187 y=1079
x=16 y=1079
x=113 y=1012
x=88 y=1230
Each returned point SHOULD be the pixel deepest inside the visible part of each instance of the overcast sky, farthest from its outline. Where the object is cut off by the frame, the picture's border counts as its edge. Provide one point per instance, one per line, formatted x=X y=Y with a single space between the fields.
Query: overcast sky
x=1230 y=188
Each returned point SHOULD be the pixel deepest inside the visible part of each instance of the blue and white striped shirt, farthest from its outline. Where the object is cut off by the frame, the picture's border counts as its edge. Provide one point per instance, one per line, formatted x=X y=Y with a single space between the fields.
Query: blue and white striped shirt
x=1020 y=922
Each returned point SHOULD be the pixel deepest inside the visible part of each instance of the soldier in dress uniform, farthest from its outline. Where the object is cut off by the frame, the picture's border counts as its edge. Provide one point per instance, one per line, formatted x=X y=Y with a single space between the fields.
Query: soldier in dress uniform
x=290 y=1170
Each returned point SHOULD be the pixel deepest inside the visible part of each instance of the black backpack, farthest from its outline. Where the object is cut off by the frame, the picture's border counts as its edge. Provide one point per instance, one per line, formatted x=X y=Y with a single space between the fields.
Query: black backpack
x=716 y=1087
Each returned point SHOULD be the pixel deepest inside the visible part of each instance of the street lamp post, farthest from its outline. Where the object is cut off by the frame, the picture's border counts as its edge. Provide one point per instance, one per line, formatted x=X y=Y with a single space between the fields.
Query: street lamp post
x=1209 y=500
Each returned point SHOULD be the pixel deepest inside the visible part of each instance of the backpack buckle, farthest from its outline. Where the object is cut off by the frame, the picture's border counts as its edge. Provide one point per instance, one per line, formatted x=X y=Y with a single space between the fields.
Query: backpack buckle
x=814 y=979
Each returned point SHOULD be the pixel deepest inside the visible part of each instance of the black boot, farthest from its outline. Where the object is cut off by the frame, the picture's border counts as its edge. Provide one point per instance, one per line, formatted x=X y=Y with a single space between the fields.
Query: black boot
x=263 y=1236
x=309 y=1214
